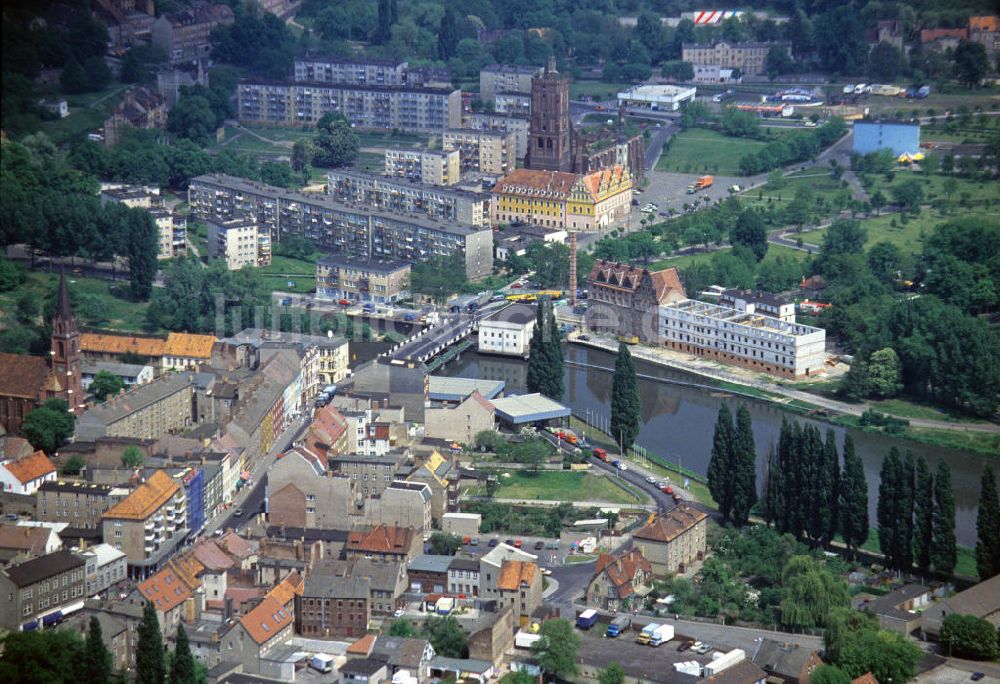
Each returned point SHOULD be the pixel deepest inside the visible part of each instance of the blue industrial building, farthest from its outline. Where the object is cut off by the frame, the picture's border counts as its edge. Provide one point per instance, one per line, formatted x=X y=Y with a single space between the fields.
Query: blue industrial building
x=193 y=480
x=872 y=136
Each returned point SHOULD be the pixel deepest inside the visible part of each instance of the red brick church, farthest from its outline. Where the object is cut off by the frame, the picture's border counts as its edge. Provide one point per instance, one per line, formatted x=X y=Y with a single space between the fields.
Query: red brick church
x=26 y=382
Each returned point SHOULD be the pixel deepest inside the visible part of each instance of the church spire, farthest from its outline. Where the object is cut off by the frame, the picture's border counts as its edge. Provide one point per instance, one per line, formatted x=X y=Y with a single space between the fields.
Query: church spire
x=65 y=310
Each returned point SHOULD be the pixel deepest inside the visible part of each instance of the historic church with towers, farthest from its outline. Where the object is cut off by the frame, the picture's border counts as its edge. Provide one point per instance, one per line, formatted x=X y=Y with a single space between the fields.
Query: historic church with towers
x=26 y=382
x=554 y=144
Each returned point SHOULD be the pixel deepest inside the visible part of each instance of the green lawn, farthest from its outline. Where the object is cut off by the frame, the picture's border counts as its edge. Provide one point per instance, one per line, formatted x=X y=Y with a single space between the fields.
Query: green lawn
x=82 y=119
x=700 y=150
x=390 y=139
x=965 y=565
x=562 y=486
x=283 y=270
x=369 y=161
x=682 y=262
x=912 y=409
x=282 y=134
x=816 y=179
x=596 y=89
x=101 y=303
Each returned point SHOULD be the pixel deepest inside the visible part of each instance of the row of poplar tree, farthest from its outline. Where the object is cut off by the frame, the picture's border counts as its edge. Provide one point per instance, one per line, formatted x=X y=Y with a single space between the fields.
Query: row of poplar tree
x=811 y=493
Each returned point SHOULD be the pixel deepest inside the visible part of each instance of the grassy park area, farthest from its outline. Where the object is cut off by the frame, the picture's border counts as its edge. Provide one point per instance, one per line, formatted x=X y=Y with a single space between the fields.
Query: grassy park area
x=701 y=150
x=599 y=90
x=562 y=486
x=685 y=260
x=284 y=270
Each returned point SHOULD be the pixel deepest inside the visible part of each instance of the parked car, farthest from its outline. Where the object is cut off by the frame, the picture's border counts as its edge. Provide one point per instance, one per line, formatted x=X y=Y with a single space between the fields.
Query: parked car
x=518 y=544
x=703 y=649
x=677 y=497
x=398 y=612
x=493 y=542
x=584 y=338
x=408 y=317
x=475 y=541
x=466 y=540
x=651 y=480
x=239 y=512
x=344 y=302
x=685 y=645
x=509 y=542
x=539 y=545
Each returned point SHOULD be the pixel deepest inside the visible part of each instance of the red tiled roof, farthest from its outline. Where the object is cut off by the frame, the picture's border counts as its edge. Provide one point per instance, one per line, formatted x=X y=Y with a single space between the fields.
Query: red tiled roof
x=984 y=23
x=121 y=344
x=362 y=646
x=211 y=556
x=236 y=545
x=866 y=678
x=174 y=584
x=620 y=276
x=668 y=526
x=930 y=35
x=288 y=588
x=22 y=375
x=514 y=573
x=145 y=499
x=621 y=570
x=31 y=468
x=381 y=539
x=266 y=620
x=482 y=401
x=593 y=181
x=536 y=182
x=327 y=427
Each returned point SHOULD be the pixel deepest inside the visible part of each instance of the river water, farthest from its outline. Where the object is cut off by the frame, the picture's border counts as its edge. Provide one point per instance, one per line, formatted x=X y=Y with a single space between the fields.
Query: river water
x=678 y=421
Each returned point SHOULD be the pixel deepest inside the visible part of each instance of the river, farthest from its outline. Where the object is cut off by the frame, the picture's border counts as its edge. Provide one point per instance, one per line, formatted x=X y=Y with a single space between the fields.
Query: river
x=678 y=421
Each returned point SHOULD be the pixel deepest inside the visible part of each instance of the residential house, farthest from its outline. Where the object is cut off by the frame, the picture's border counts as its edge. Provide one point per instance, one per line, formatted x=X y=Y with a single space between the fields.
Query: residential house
x=673 y=540
x=81 y=504
x=942 y=39
x=370 y=474
x=625 y=300
x=172 y=588
x=141 y=108
x=331 y=604
x=387 y=581
x=428 y=574
x=106 y=567
x=144 y=412
x=40 y=591
x=261 y=630
x=491 y=152
x=488 y=121
x=359 y=279
x=239 y=243
x=148 y=524
x=399 y=653
x=184 y=35
x=981 y=600
x=26 y=475
x=900 y=610
x=214 y=578
x=506 y=78
x=493 y=642
x=114 y=633
x=364 y=671
x=186 y=351
x=324 y=69
x=620 y=582
x=21 y=542
x=433 y=167
x=302 y=492
x=786 y=662
x=129 y=373
x=435 y=473
x=492 y=587
x=384 y=542
x=405 y=504
x=463 y=576
x=748 y=57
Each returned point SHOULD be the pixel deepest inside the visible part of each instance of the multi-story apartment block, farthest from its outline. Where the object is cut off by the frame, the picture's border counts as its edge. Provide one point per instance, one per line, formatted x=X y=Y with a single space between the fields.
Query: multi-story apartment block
x=557 y=199
x=490 y=152
x=673 y=540
x=362 y=280
x=506 y=78
x=406 y=504
x=184 y=35
x=433 y=167
x=369 y=106
x=513 y=104
x=105 y=567
x=331 y=604
x=148 y=524
x=507 y=123
x=384 y=543
x=41 y=591
x=744 y=338
x=341 y=228
x=172 y=229
x=403 y=197
x=340 y=70
x=747 y=57
x=371 y=474
x=758 y=301
x=80 y=504
x=625 y=300
x=145 y=412
x=239 y=243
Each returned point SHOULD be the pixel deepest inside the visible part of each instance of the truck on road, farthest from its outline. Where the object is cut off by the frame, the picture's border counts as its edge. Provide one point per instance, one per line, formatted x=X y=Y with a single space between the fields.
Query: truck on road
x=321 y=662
x=586 y=619
x=703 y=183
x=444 y=605
x=662 y=635
x=618 y=626
x=647 y=633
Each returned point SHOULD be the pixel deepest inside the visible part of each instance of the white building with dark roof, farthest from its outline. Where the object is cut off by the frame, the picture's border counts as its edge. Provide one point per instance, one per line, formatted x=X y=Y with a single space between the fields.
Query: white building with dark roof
x=508 y=331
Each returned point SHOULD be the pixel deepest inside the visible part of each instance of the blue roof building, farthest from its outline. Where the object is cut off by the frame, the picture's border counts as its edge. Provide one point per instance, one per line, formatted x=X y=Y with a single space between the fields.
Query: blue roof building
x=872 y=136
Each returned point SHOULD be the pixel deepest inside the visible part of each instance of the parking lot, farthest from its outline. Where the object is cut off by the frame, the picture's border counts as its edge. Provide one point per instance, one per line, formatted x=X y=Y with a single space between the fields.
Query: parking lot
x=669 y=190
x=639 y=661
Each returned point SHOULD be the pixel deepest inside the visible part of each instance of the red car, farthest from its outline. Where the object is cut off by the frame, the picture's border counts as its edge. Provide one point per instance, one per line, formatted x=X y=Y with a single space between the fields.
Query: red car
x=668 y=490
x=601 y=454
x=516 y=286
x=344 y=302
x=518 y=544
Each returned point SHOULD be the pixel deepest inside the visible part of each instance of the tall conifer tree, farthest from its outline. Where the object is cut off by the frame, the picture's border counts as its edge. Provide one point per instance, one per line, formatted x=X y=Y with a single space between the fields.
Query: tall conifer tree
x=626 y=408
x=721 y=469
x=944 y=549
x=771 y=505
x=97 y=664
x=150 y=667
x=923 y=516
x=182 y=669
x=988 y=526
x=888 y=508
x=907 y=487
x=744 y=460
x=853 y=499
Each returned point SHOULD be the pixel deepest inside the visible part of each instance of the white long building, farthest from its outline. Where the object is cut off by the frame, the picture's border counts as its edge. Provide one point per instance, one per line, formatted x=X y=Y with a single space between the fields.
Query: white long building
x=744 y=338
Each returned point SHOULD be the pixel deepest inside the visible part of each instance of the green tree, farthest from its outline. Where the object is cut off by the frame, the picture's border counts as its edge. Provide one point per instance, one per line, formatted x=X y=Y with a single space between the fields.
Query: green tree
x=987 y=524
x=150 y=667
x=444 y=544
x=614 y=673
x=74 y=78
x=402 y=628
x=950 y=187
x=545 y=354
x=193 y=118
x=878 y=201
x=337 y=144
x=884 y=374
x=944 y=548
x=885 y=62
x=132 y=457
x=73 y=465
x=302 y=154
x=970 y=63
x=556 y=650
x=854 y=385
x=519 y=677
x=182 y=669
x=856 y=645
x=907 y=486
x=909 y=194
x=750 y=231
x=626 y=406
x=142 y=248
x=105 y=384
x=98 y=73
x=777 y=62
x=773 y=484
x=829 y=674
x=967 y=636
x=745 y=464
x=447 y=35
x=49 y=426
x=923 y=516
x=888 y=508
x=886 y=261
x=277 y=173
x=96 y=664
x=447 y=637
x=721 y=467
x=47 y=656
x=811 y=591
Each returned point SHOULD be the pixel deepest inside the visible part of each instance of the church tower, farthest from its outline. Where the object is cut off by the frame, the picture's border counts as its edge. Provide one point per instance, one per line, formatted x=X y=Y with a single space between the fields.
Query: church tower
x=550 y=130
x=66 y=351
